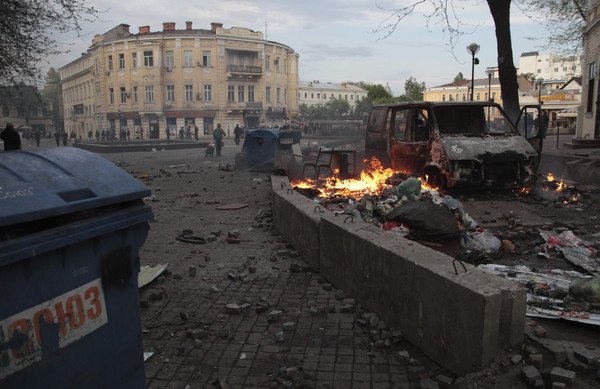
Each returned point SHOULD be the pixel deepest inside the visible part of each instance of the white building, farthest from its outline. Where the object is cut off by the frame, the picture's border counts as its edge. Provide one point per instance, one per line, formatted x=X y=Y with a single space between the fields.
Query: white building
x=315 y=93
x=550 y=66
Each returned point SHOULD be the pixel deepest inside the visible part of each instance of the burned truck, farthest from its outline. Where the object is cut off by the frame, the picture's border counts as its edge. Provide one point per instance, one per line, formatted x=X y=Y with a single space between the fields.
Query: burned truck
x=457 y=144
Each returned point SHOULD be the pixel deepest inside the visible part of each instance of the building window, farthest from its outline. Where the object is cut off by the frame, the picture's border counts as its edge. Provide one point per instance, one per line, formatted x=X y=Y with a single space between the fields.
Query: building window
x=110 y=64
x=135 y=95
x=206 y=58
x=207 y=92
x=591 y=85
x=148 y=58
x=268 y=94
x=251 y=58
x=478 y=96
x=312 y=95
x=230 y=59
x=556 y=69
x=170 y=93
x=493 y=96
x=305 y=95
x=345 y=97
x=267 y=62
x=324 y=96
x=134 y=60
x=241 y=93
x=464 y=97
x=285 y=96
x=278 y=95
x=539 y=71
x=231 y=93
x=169 y=60
x=276 y=62
x=443 y=97
x=285 y=66
x=123 y=95
x=187 y=58
x=241 y=59
x=121 y=61
x=189 y=93
x=111 y=96
x=352 y=97
x=251 y=93
x=149 y=89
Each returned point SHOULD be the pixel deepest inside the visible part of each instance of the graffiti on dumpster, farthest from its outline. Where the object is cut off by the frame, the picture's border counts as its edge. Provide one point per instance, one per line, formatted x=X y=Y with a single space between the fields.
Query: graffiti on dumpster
x=15 y=193
x=35 y=333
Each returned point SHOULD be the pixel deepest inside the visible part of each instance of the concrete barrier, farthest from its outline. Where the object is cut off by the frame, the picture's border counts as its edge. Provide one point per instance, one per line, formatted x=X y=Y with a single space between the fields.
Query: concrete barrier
x=459 y=320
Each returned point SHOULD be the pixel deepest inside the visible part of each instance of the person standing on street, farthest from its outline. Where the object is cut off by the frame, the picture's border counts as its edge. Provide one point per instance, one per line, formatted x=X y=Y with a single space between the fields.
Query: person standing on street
x=237 y=133
x=65 y=138
x=11 y=138
x=218 y=135
x=57 y=138
x=38 y=137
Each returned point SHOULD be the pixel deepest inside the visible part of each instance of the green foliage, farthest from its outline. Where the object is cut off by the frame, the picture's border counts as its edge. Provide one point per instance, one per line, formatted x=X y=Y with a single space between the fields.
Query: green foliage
x=459 y=77
x=413 y=90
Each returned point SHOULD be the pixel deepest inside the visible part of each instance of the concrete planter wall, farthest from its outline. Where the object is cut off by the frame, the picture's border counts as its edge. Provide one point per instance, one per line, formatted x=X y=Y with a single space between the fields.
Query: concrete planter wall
x=459 y=321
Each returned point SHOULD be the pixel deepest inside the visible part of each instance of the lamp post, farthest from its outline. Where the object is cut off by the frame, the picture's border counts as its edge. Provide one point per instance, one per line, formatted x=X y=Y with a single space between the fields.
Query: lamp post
x=473 y=48
x=539 y=84
x=489 y=72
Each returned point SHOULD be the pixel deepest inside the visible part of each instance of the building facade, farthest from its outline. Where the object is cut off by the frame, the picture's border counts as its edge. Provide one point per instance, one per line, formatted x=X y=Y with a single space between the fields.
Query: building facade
x=171 y=79
x=550 y=66
x=315 y=93
x=588 y=119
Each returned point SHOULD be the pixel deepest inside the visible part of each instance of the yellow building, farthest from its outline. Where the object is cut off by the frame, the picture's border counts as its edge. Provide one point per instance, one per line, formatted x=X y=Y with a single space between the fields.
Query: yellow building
x=150 y=81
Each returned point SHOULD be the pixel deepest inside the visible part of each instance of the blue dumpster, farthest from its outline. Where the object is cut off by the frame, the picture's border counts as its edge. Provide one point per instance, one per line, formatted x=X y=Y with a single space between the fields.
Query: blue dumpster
x=260 y=146
x=71 y=225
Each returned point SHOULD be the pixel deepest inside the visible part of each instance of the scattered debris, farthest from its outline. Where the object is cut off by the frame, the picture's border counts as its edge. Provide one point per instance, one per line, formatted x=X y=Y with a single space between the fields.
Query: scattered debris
x=187 y=237
x=149 y=273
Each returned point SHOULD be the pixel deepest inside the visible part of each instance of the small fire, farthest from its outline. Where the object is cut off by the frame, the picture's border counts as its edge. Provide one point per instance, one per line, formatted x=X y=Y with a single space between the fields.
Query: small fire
x=372 y=180
x=560 y=185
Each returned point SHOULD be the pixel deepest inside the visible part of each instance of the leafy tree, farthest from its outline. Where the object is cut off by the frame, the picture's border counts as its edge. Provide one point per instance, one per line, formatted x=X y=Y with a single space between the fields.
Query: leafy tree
x=459 y=77
x=28 y=28
x=363 y=108
x=446 y=13
x=413 y=90
x=337 y=107
x=376 y=92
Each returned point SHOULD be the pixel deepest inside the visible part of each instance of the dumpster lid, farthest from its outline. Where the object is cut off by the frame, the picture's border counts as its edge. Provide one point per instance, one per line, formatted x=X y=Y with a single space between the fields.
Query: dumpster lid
x=37 y=184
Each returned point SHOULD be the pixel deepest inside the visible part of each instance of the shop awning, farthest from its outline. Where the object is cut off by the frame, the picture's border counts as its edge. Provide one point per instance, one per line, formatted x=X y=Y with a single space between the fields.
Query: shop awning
x=567 y=113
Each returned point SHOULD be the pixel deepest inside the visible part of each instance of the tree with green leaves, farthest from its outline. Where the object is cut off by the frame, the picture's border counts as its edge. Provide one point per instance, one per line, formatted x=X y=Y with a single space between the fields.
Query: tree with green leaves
x=459 y=77
x=447 y=14
x=28 y=28
x=413 y=90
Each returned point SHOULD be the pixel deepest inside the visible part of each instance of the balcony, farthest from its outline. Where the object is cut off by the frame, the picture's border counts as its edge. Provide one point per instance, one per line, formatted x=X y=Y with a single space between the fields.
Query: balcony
x=244 y=72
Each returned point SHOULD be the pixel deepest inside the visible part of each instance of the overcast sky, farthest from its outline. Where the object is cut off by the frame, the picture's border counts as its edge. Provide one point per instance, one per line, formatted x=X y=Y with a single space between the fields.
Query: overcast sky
x=335 y=39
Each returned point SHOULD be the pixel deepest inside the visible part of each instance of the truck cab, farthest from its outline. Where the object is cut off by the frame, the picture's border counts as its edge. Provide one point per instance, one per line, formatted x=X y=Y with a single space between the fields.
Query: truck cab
x=456 y=144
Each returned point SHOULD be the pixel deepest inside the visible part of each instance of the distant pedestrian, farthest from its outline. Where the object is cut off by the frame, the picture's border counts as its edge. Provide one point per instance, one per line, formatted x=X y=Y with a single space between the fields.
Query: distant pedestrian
x=90 y=134
x=65 y=138
x=218 y=135
x=196 y=132
x=237 y=133
x=38 y=137
x=168 y=133
x=57 y=138
x=97 y=135
x=142 y=133
x=11 y=138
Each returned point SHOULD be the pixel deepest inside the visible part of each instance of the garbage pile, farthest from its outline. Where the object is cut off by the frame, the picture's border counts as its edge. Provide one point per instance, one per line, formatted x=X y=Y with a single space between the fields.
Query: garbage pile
x=441 y=222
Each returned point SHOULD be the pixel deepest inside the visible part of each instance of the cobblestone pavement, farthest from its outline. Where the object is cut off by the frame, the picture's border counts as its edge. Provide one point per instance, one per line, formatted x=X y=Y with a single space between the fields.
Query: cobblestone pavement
x=246 y=312
x=285 y=326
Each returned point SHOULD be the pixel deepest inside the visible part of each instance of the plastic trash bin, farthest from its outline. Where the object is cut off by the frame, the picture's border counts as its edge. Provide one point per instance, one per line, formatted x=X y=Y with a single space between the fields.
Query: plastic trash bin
x=71 y=225
x=260 y=146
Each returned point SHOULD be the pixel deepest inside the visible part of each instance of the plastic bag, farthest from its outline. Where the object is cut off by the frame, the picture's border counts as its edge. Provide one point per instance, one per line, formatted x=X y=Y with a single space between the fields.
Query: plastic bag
x=427 y=221
x=585 y=289
x=482 y=241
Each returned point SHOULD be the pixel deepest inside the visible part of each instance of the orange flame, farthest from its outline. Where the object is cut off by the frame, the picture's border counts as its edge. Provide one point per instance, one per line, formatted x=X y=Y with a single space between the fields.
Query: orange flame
x=371 y=182
x=561 y=184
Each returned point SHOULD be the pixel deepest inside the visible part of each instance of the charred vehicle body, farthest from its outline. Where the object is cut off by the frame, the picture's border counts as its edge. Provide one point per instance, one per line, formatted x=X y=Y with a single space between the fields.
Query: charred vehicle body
x=457 y=144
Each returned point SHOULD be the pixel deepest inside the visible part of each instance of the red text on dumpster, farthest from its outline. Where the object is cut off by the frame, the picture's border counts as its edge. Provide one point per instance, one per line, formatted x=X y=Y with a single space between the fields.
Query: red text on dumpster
x=35 y=333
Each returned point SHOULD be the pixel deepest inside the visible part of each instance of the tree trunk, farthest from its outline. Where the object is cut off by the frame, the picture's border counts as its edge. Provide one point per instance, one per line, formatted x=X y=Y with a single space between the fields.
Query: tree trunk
x=500 y=10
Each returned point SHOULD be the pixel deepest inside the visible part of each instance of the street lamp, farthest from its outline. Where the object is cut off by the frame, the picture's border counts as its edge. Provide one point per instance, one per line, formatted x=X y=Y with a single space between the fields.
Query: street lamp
x=473 y=48
x=489 y=72
x=539 y=84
